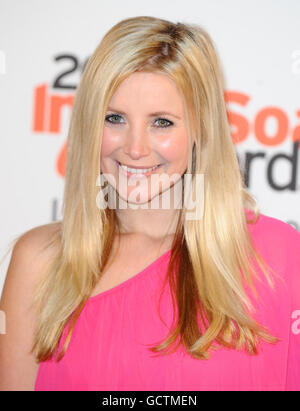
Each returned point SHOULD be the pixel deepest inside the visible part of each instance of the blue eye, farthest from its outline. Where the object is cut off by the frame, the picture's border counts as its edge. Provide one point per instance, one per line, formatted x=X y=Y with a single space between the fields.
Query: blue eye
x=166 y=123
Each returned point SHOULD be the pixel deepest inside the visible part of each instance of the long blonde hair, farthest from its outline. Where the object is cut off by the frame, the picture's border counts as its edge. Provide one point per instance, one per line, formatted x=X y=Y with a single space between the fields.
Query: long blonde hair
x=212 y=258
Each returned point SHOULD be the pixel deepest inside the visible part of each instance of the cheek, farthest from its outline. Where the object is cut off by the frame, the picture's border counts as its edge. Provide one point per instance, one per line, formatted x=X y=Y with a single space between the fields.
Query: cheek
x=175 y=148
x=110 y=142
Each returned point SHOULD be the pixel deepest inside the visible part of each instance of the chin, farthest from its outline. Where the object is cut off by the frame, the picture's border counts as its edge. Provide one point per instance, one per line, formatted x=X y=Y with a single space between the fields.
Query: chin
x=140 y=200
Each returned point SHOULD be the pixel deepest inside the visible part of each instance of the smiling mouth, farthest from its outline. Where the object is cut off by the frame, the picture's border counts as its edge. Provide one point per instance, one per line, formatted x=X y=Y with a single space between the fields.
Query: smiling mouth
x=137 y=171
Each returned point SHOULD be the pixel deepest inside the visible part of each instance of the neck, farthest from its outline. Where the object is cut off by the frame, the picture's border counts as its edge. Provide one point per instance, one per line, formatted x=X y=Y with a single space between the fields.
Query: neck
x=155 y=223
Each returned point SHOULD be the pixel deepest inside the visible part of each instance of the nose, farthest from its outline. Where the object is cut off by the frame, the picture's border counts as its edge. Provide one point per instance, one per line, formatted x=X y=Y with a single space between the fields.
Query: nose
x=137 y=144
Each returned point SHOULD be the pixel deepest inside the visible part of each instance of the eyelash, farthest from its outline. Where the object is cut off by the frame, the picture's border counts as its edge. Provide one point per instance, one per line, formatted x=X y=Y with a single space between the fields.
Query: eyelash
x=159 y=118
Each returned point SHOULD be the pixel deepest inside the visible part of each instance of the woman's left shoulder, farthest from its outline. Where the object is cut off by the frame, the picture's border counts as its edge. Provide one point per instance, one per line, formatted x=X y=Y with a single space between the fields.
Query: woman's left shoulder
x=279 y=243
x=271 y=224
x=275 y=232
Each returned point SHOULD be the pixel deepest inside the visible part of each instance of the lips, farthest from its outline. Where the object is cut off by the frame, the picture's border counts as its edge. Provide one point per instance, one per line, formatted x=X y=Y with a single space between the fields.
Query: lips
x=137 y=167
x=137 y=175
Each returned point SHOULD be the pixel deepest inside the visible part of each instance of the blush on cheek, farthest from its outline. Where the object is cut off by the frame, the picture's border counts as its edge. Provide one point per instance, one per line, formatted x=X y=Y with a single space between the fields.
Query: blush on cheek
x=174 y=154
x=175 y=146
x=110 y=143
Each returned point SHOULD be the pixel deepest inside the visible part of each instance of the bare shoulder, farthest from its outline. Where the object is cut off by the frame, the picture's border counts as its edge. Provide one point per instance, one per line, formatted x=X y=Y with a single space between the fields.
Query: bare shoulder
x=33 y=241
x=31 y=252
x=29 y=260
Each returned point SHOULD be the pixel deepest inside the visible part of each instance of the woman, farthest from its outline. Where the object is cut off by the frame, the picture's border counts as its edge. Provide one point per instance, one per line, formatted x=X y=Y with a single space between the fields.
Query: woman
x=143 y=297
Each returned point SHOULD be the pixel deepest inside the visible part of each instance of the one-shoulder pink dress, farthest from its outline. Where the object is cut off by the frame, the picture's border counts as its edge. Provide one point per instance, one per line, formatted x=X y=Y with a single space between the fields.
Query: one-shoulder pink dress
x=108 y=350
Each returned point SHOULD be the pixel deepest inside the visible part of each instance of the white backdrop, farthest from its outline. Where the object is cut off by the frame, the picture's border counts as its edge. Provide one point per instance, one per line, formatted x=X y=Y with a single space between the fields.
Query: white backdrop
x=259 y=46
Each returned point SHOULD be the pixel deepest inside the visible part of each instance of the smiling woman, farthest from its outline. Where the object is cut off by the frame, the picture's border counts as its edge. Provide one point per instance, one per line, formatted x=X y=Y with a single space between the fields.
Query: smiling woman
x=111 y=287
x=141 y=143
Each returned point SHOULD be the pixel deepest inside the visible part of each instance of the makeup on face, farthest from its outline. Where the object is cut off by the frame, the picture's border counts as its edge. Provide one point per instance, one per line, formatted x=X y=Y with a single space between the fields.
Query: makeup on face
x=144 y=131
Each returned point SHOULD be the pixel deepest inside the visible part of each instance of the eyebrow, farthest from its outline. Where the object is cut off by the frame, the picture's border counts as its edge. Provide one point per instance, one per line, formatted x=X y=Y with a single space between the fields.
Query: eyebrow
x=157 y=113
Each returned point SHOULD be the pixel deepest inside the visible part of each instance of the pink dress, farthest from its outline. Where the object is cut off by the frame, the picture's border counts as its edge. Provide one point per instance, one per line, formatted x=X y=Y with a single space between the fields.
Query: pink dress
x=108 y=348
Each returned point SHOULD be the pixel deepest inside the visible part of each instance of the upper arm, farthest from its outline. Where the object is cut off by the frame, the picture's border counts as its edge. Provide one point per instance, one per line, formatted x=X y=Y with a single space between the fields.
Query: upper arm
x=18 y=366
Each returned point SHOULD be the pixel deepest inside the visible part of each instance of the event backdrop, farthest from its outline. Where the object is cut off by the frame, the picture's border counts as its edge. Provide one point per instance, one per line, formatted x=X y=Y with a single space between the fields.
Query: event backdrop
x=44 y=46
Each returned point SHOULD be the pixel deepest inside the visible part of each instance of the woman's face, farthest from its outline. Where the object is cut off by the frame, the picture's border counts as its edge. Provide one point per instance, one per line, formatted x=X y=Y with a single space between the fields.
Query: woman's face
x=144 y=128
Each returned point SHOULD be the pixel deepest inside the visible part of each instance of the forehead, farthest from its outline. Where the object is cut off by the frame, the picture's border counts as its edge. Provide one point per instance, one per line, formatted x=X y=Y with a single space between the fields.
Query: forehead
x=151 y=90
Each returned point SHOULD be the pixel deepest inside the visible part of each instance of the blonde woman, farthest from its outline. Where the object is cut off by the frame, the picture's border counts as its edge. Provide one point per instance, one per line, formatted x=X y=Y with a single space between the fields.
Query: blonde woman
x=148 y=296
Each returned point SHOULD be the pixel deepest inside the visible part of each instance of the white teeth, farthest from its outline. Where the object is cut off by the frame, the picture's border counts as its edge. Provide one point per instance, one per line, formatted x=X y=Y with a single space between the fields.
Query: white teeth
x=138 y=170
